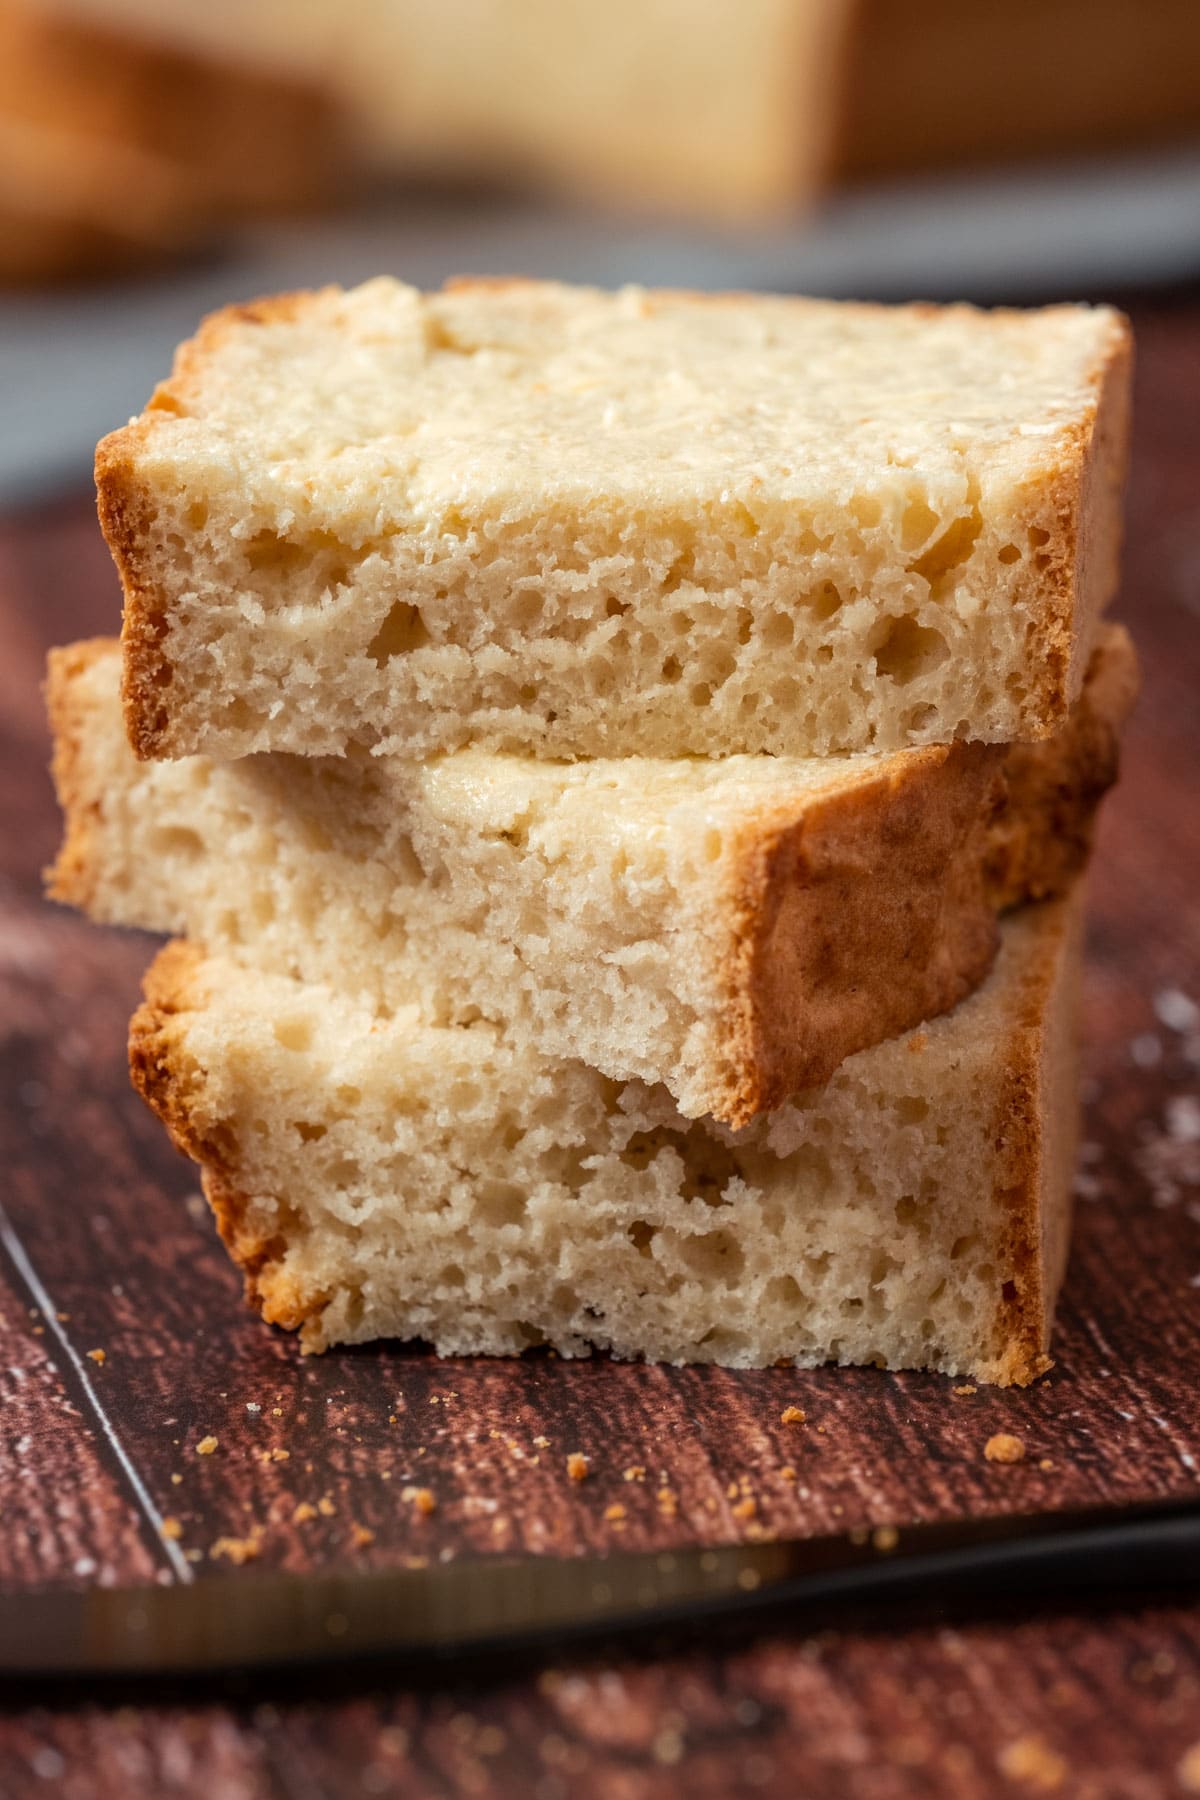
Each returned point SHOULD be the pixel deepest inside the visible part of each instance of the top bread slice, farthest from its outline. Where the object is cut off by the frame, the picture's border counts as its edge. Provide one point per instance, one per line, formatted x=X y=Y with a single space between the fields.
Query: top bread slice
x=733 y=929
x=536 y=518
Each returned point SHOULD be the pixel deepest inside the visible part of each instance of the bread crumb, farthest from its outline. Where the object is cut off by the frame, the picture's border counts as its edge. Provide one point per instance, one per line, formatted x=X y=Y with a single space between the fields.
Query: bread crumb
x=170 y=1528
x=745 y=1508
x=304 y=1512
x=325 y=1507
x=634 y=1473
x=1188 y=1770
x=543 y=1443
x=206 y=1446
x=1031 y=1760
x=421 y=1498
x=885 y=1537
x=614 y=1513
x=270 y=1456
x=1045 y=1464
x=787 y=1473
x=176 y=1480
x=961 y=1393
x=361 y=1536
x=1004 y=1448
x=99 y=1357
x=578 y=1466
x=792 y=1415
x=236 y=1550
x=667 y=1501
x=668 y=1748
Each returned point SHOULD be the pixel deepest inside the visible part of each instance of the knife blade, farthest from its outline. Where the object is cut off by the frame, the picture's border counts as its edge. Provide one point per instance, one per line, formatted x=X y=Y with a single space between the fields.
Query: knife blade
x=252 y=1620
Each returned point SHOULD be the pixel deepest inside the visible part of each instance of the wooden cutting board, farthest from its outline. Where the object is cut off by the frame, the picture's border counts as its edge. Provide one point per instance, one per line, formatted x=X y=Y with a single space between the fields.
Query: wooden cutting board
x=152 y=1429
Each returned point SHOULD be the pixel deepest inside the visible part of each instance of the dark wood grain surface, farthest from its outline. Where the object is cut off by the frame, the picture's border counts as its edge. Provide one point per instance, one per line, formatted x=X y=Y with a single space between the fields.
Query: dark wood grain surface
x=106 y=1248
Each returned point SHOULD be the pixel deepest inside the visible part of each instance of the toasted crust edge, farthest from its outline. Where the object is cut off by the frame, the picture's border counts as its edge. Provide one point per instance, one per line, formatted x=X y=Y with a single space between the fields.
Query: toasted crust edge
x=823 y=963
x=170 y=1081
x=983 y=828
x=75 y=871
x=1037 y=1122
x=125 y=509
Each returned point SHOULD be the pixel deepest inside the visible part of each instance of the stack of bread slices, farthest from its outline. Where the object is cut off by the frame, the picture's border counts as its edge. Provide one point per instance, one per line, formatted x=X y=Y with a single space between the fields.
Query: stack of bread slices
x=621 y=768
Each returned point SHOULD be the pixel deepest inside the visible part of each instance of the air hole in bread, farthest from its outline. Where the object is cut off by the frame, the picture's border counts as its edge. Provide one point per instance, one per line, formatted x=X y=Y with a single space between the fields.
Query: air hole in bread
x=918 y=524
x=402 y=631
x=949 y=551
x=826 y=600
x=641 y=1236
x=179 y=840
x=908 y=650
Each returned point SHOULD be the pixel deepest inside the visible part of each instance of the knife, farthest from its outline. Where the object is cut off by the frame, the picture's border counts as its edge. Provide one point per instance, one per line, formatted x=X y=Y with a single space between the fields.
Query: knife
x=228 y=1622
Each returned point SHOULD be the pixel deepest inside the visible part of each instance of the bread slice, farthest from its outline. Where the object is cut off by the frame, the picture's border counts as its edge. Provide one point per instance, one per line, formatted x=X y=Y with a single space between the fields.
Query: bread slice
x=732 y=929
x=531 y=517
x=72 y=207
x=752 y=111
x=233 y=136
x=392 y=1179
x=725 y=110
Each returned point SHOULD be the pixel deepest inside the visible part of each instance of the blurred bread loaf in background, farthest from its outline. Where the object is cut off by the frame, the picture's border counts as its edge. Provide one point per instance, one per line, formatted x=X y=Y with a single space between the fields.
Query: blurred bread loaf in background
x=735 y=112
x=121 y=145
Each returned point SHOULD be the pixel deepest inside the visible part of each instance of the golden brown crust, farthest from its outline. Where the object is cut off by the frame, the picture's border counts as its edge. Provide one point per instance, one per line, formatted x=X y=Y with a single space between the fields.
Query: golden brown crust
x=1042 y=834
x=73 y=876
x=125 y=509
x=856 y=923
x=1035 y=1124
x=1077 y=552
x=126 y=517
x=171 y=1082
x=1037 y=1112
x=878 y=909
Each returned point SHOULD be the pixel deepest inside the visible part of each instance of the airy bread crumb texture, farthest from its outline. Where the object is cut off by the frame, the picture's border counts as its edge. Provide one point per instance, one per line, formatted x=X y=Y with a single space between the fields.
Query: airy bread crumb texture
x=387 y=1178
x=731 y=928
x=536 y=518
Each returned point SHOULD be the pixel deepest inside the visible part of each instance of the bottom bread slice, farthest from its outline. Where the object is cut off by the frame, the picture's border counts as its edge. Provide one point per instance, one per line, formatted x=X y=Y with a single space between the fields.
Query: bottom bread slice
x=388 y=1178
